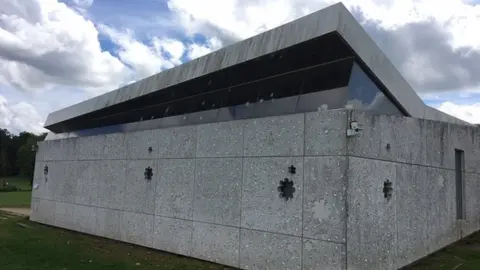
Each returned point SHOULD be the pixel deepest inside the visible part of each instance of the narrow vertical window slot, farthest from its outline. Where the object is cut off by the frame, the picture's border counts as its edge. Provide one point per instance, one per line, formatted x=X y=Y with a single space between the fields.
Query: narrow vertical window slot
x=460 y=183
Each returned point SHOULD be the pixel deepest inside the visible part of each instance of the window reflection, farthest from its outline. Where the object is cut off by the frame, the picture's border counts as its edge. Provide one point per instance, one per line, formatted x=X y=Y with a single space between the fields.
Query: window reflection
x=324 y=87
x=365 y=95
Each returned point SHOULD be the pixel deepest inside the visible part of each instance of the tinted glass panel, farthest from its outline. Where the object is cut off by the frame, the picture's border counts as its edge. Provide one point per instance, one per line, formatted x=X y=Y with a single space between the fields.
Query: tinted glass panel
x=323 y=100
x=364 y=94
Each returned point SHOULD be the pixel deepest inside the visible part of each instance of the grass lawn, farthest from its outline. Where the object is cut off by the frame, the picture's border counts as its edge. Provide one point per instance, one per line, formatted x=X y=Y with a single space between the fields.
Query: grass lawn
x=18 y=181
x=42 y=247
x=16 y=198
x=464 y=255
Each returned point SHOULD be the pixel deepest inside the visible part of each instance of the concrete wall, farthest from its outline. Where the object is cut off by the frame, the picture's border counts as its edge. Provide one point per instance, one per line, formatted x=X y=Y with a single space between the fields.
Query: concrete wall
x=214 y=193
x=420 y=218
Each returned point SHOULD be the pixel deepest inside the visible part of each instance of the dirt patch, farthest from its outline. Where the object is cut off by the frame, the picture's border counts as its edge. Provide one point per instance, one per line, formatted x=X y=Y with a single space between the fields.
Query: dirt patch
x=17 y=211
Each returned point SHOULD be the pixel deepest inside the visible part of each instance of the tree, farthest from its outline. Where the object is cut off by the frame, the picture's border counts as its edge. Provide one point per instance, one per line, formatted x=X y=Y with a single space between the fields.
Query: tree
x=26 y=154
x=16 y=155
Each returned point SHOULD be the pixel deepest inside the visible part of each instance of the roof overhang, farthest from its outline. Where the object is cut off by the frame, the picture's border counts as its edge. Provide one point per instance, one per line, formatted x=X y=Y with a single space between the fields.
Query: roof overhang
x=335 y=18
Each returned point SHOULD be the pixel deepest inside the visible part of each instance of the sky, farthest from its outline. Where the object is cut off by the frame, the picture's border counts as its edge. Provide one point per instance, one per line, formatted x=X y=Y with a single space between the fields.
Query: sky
x=55 y=53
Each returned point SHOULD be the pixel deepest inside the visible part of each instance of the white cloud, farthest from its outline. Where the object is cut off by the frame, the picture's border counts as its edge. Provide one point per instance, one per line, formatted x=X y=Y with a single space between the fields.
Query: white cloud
x=45 y=43
x=469 y=113
x=21 y=116
x=435 y=44
x=83 y=3
x=196 y=50
x=145 y=60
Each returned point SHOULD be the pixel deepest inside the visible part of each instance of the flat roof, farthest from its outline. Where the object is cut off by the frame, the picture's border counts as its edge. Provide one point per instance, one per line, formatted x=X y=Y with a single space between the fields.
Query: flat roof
x=336 y=20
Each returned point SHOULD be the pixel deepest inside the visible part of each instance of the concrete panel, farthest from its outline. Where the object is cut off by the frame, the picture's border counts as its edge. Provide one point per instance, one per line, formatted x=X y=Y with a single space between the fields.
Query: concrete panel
x=43 y=211
x=84 y=217
x=110 y=176
x=108 y=223
x=137 y=229
x=114 y=146
x=64 y=215
x=35 y=207
x=325 y=133
x=138 y=144
x=472 y=204
x=463 y=138
x=411 y=189
x=262 y=250
x=476 y=150
x=262 y=207
x=41 y=151
x=369 y=142
x=139 y=193
x=274 y=136
x=61 y=177
x=86 y=191
x=441 y=218
x=323 y=255
x=371 y=221
x=63 y=149
x=173 y=235
x=324 y=202
x=91 y=147
x=216 y=243
x=437 y=137
x=179 y=142
x=220 y=139
x=394 y=138
x=39 y=181
x=174 y=191
x=217 y=192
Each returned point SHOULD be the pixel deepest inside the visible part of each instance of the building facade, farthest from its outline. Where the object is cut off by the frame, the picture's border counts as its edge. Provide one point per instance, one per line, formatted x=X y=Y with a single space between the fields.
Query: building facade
x=299 y=148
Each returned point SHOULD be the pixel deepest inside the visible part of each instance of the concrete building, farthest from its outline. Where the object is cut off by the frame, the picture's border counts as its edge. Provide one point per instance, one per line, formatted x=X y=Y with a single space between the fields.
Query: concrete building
x=299 y=148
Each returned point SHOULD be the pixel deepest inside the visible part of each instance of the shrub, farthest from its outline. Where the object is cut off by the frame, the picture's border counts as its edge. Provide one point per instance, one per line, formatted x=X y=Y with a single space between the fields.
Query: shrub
x=8 y=189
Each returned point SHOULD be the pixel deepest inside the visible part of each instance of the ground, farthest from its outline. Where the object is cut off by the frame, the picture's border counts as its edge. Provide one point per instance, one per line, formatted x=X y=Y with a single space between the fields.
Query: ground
x=26 y=245
x=17 y=198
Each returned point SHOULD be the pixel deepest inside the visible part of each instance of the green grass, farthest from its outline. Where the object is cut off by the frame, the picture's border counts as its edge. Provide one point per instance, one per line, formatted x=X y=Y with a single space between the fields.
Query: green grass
x=18 y=181
x=16 y=198
x=463 y=255
x=41 y=247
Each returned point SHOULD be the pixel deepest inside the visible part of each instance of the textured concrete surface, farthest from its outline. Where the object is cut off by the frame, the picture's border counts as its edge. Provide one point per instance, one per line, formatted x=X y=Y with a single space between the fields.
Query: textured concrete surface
x=324 y=198
x=323 y=255
x=271 y=137
x=173 y=235
x=216 y=243
x=214 y=190
x=175 y=187
x=220 y=139
x=179 y=142
x=325 y=133
x=262 y=208
x=217 y=192
x=111 y=183
x=262 y=250
x=371 y=222
x=412 y=211
x=139 y=193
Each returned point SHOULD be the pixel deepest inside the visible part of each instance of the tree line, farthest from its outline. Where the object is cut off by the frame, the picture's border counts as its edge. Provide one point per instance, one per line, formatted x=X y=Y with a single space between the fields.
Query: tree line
x=17 y=153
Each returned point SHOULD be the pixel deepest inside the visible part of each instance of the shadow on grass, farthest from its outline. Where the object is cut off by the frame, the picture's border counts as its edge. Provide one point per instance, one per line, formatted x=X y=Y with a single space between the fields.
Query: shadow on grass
x=462 y=255
x=42 y=247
